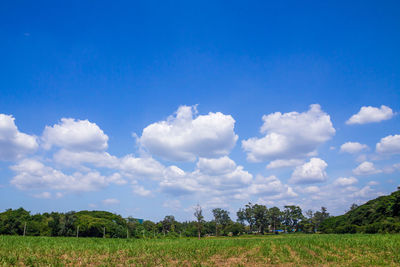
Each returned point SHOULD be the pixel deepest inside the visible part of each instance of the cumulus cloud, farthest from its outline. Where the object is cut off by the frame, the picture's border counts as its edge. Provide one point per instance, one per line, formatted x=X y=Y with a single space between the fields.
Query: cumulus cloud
x=43 y=195
x=345 y=181
x=213 y=176
x=75 y=135
x=110 y=201
x=129 y=165
x=140 y=190
x=77 y=158
x=352 y=147
x=186 y=135
x=389 y=145
x=371 y=114
x=365 y=192
x=13 y=143
x=32 y=174
x=366 y=168
x=310 y=172
x=177 y=182
x=266 y=187
x=145 y=167
x=311 y=189
x=281 y=163
x=218 y=166
x=290 y=135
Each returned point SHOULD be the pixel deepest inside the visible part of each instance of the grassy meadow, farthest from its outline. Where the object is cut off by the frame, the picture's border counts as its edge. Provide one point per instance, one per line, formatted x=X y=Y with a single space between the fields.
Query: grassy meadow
x=282 y=250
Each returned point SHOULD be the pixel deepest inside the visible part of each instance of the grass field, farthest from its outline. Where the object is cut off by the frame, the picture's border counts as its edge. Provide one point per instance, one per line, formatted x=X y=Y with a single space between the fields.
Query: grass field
x=282 y=250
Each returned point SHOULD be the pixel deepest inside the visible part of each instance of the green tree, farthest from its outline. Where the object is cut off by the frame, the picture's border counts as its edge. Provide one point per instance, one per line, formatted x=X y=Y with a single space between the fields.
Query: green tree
x=292 y=215
x=320 y=217
x=275 y=216
x=261 y=217
x=221 y=218
x=198 y=214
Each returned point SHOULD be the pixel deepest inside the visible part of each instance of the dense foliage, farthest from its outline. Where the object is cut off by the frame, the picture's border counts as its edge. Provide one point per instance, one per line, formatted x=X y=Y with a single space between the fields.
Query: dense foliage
x=380 y=215
x=252 y=219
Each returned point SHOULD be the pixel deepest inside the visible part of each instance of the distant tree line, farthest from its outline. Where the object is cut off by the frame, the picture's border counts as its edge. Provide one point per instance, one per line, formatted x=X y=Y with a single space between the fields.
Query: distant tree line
x=252 y=219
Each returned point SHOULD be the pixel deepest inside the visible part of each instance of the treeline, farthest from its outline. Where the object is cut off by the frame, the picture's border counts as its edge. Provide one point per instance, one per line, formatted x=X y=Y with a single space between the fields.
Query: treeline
x=252 y=219
x=380 y=215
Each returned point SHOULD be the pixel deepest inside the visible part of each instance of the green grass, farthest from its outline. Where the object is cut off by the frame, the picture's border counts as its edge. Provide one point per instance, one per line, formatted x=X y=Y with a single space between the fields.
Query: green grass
x=283 y=250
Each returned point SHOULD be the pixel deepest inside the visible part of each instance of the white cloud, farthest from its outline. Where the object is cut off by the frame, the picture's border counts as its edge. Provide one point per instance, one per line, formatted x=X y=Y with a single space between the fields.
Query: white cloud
x=290 y=135
x=218 y=166
x=364 y=192
x=266 y=185
x=389 y=145
x=75 y=135
x=146 y=167
x=13 y=143
x=129 y=165
x=352 y=147
x=310 y=172
x=32 y=174
x=177 y=182
x=371 y=114
x=186 y=136
x=366 y=168
x=110 y=201
x=345 y=181
x=172 y=204
x=280 y=163
x=140 y=190
x=77 y=158
x=43 y=195
x=209 y=177
x=311 y=189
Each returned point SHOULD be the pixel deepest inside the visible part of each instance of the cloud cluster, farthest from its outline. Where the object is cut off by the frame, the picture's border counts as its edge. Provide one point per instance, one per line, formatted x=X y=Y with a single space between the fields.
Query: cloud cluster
x=312 y=171
x=186 y=136
x=32 y=174
x=281 y=163
x=366 y=168
x=13 y=143
x=75 y=135
x=353 y=147
x=345 y=181
x=74 y=158
x=371 y=114
x=211 y=175
x=389 y=145
x=290 y=135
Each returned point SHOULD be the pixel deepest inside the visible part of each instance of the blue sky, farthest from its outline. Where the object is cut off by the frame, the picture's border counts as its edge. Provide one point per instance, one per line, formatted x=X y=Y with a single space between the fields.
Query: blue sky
x=147 y=108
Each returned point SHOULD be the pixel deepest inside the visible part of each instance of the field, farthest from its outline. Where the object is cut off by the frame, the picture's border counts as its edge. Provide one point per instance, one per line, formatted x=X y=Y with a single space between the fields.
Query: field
x=282 y=250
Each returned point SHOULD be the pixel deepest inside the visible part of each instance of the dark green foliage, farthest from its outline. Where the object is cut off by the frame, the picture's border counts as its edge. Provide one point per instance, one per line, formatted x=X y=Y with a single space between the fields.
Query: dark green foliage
x=221 y=219
x=380 y=215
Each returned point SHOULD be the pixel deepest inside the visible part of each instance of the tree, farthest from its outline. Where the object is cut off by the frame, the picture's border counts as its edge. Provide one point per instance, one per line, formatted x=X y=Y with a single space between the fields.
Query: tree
x=319 y=217
x=198 y=213
x=260 y=213
x=169 y=224
x=353 y=206
x=221 y=218
x=247 y=214
x=275 y=215
x=292 y=216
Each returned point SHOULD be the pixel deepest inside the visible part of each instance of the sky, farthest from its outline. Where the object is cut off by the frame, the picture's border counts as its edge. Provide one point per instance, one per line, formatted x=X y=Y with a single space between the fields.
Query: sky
x=148 y=108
